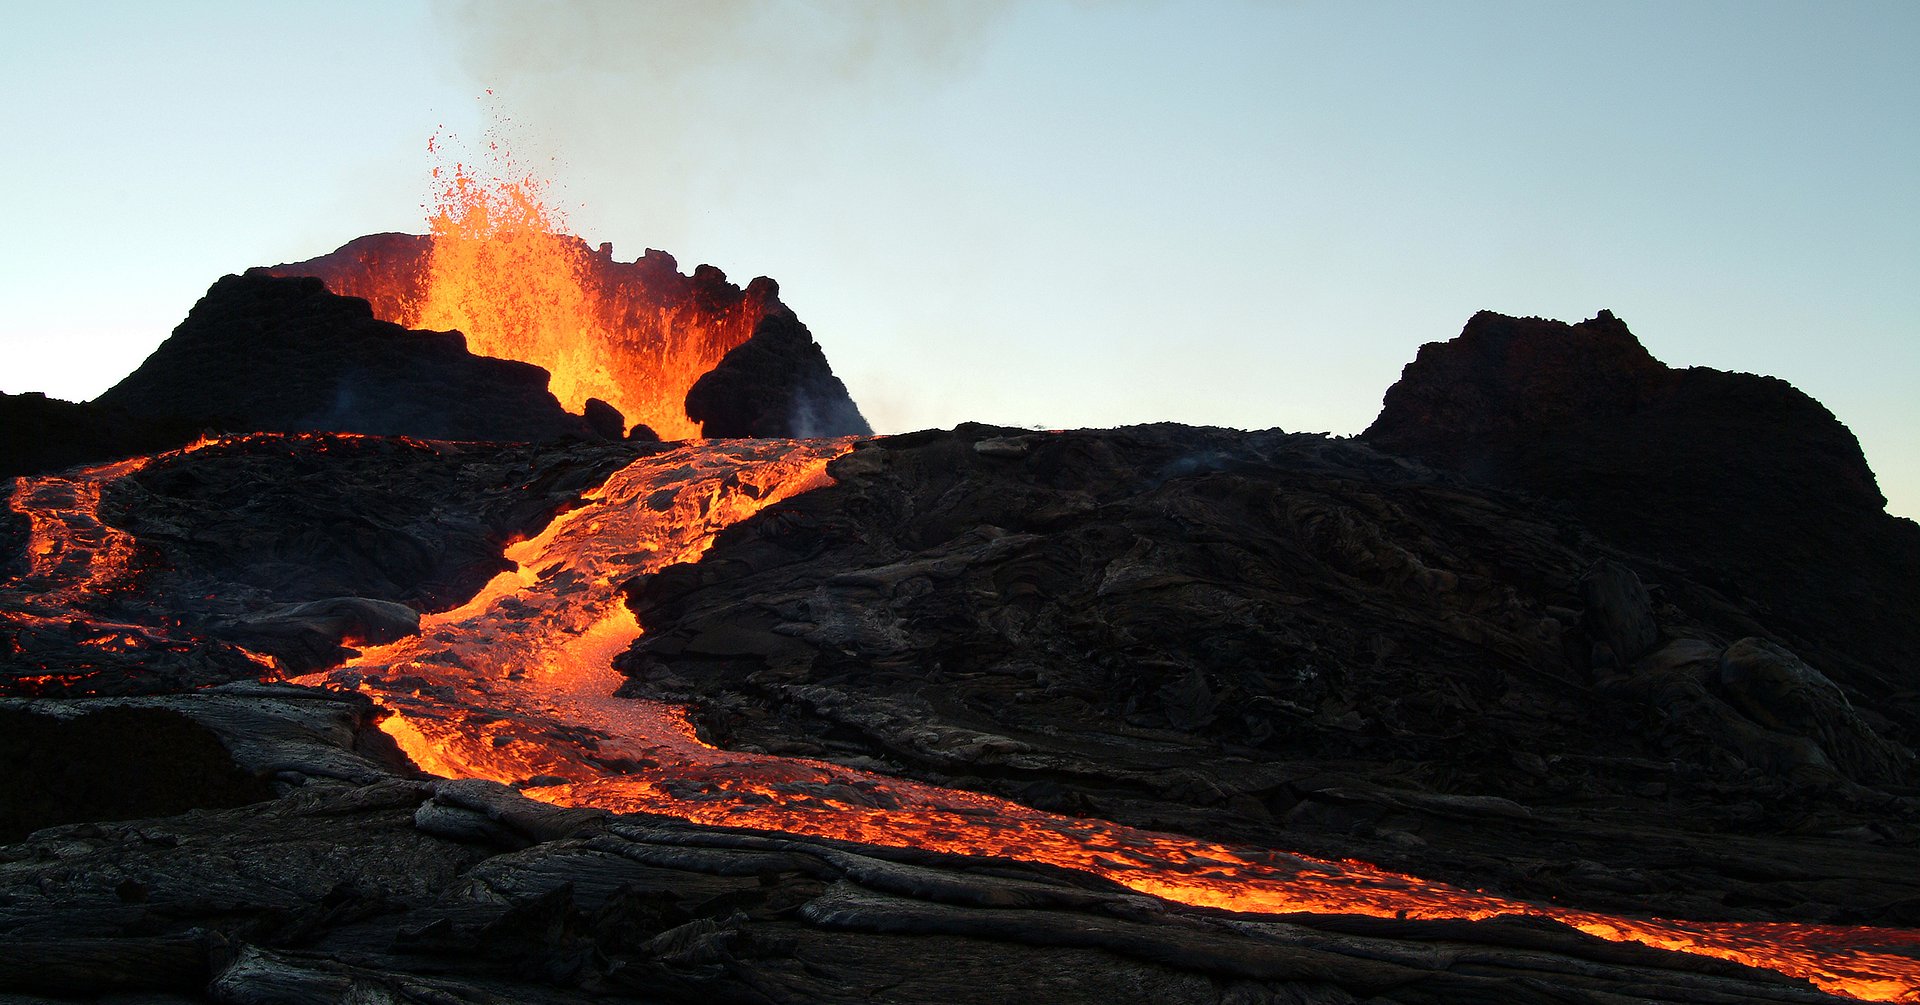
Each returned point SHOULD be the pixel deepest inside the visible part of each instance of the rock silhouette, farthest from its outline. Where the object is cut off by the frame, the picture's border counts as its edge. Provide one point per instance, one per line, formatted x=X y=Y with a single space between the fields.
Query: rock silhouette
x=776 y=384
x=1747 y=484
x=260 y=352
x=40 y=434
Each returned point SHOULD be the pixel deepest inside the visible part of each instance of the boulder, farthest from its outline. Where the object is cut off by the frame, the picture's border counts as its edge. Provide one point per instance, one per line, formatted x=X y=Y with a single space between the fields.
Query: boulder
x=1618 y=614
x=1778 y=690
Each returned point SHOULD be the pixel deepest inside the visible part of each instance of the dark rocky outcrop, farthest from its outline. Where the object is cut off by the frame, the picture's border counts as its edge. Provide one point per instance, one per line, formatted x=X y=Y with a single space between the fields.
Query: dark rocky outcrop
x=112 y=763
x=777 y=383
x=260 y=352
x=1288 y=641
x=40 y=434
x=1750 y=486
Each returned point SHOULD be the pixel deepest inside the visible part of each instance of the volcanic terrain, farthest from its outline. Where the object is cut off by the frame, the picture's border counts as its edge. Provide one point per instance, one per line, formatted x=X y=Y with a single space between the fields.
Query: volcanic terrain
x=474 y=617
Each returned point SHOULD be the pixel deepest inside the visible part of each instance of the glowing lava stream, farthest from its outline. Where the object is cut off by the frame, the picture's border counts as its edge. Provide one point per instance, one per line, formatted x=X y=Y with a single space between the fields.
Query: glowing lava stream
x=76 y=560
x=516 y=687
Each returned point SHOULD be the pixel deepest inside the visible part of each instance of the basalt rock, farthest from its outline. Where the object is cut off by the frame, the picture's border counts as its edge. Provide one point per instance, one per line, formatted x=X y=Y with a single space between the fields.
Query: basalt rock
x=1750 y=486
x=1774 y=688
x=112 y=763
x=294 y=546
x=776 y=383
x=260 y=352
x=370 y=893
x=39 y=434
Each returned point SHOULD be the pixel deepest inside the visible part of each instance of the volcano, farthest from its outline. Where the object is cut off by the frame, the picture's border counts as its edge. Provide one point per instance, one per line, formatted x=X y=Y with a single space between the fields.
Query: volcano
x=474 y=617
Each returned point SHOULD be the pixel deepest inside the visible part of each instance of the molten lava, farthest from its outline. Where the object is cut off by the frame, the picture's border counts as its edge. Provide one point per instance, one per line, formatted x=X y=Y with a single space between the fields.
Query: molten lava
x=516 y=687
x=77 y=565
x=499 y=268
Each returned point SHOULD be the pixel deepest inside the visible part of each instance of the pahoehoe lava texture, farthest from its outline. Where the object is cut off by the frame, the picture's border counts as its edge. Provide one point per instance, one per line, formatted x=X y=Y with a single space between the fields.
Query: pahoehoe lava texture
x=1302 y=642
x=293 y=545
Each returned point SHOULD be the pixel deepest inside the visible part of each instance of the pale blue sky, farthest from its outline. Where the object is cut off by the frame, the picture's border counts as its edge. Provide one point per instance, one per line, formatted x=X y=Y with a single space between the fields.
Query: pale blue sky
x=1038 y=213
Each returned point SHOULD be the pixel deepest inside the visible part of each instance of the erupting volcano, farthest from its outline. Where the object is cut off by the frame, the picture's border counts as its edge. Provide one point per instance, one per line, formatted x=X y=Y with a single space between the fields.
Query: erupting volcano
x=560 y=712
x=497 y=266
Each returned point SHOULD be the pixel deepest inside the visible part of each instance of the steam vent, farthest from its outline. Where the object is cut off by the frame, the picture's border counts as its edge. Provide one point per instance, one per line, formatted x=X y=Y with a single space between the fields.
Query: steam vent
x=474 y=617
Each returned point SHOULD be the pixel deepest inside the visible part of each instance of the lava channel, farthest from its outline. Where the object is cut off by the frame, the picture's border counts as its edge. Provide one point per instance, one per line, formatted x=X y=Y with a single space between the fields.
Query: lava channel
x=516 y=686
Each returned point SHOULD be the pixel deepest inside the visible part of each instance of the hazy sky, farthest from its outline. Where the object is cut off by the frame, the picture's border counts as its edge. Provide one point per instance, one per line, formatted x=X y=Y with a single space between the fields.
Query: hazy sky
x=1032 y=213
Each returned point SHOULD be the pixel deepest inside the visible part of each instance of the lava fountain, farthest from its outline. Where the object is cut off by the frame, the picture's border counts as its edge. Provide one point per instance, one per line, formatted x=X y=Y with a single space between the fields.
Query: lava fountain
x=498 y=266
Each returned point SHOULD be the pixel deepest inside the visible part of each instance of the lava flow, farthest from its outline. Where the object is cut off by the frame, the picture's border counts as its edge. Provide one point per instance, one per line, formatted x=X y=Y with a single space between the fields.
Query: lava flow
x=516 y=687
x=60 y=609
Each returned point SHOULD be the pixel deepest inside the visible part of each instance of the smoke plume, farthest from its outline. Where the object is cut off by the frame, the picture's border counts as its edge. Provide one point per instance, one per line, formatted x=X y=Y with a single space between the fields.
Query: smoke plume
x=647 y=103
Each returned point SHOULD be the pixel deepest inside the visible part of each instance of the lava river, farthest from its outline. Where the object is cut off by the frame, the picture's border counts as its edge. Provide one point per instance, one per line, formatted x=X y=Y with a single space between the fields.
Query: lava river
x=517 y=686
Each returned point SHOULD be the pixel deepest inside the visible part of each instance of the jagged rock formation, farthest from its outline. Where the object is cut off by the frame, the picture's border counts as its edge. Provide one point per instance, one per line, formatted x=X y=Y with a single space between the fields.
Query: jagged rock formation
x=260 y=352
x=1745 y=483
x=777 y=384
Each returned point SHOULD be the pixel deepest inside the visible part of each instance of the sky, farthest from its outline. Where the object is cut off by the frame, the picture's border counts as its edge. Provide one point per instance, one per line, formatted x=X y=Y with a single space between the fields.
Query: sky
x=1043 y=213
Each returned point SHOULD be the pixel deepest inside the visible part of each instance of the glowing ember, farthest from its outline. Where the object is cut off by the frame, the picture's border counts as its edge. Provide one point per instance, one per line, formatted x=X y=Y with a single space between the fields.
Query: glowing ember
x=516 y=687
